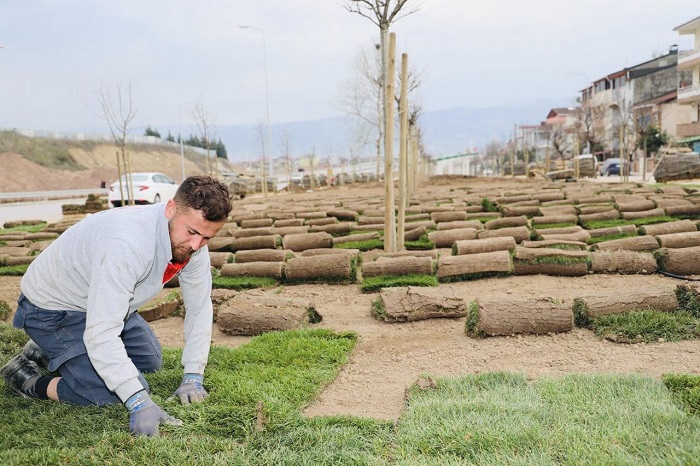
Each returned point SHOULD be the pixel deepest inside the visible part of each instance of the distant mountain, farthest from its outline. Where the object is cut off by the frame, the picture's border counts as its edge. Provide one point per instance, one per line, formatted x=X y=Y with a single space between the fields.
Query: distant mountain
x=446 y=132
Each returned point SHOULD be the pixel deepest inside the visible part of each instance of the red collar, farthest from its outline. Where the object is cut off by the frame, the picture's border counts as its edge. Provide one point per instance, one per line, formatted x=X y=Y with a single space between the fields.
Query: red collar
x=173 y=269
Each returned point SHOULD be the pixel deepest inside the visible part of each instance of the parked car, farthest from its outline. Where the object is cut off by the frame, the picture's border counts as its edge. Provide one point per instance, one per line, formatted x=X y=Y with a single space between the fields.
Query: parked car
x=149 y=188
x=603 y=166
x=613 y=169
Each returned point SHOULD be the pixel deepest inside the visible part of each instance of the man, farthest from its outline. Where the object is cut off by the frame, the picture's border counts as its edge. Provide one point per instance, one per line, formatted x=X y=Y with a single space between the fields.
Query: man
x=80 y=298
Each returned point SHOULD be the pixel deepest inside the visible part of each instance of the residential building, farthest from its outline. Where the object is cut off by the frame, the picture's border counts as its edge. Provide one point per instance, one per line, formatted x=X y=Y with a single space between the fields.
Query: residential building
x=689 y=86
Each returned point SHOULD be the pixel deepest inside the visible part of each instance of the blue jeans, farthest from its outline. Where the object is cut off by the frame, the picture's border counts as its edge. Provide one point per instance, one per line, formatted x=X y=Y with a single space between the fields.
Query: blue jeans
x=60 y=335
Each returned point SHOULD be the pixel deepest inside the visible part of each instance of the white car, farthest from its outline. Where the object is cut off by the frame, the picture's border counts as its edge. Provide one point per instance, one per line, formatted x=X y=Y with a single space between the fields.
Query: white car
x=149 y=188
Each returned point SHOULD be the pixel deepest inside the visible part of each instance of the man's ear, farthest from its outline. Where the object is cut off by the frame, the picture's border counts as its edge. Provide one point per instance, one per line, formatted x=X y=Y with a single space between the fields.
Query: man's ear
x=170 y=209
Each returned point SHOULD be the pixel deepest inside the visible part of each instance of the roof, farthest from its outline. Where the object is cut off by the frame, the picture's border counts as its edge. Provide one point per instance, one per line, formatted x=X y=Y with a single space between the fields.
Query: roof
x=690 y=27
x=561 y=111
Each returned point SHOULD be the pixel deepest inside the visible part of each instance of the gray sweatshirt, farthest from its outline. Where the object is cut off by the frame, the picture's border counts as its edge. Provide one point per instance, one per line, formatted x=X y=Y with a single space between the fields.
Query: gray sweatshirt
x=110 y=264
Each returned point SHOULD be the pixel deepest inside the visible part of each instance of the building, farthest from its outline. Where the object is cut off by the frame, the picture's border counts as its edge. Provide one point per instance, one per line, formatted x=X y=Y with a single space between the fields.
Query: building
x=688 y=127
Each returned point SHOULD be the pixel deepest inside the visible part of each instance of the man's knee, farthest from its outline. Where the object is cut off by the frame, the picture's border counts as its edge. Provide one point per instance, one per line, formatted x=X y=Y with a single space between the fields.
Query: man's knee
x=150 y=363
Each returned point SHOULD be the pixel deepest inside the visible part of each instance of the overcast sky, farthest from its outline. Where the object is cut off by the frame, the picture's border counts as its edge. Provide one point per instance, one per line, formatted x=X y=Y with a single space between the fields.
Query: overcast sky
x=58 y=53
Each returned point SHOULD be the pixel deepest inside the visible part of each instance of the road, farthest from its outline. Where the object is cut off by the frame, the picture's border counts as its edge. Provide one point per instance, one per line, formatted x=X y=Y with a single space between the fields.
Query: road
x=39 y=205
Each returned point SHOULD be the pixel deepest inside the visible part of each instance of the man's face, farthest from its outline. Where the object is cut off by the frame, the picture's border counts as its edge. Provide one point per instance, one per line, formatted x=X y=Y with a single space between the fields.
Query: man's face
x=189 y=231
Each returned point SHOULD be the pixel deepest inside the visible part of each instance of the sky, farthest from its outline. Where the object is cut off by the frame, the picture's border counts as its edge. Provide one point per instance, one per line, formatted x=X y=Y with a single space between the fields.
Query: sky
x=57 y=54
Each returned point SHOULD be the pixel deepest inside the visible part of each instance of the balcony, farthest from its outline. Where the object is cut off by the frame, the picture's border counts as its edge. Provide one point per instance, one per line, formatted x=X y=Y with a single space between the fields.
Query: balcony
x=688 y=130
x=688 y=58
x=688 y=94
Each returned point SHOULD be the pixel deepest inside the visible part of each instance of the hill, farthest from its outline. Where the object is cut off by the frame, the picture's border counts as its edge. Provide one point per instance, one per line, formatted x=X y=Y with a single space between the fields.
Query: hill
x=34 y=164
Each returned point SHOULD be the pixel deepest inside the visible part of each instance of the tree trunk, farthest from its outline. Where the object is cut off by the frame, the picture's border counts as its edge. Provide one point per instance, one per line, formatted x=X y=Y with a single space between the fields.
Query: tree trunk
x=515 y=316
x=398 y=266
x=418 y=303
x=257 y=314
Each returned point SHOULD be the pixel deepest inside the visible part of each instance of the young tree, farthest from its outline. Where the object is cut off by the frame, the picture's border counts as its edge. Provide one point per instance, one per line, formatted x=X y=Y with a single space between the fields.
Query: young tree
x=559 y=141
x=206 y=127
x=285 y=144
x=119 y=116
x=152 y=132
x=260 y=131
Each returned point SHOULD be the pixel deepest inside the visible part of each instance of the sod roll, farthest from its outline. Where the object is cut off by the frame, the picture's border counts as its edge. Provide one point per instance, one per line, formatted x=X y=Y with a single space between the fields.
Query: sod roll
x=256 y=242
x=445 y=238
x=284 y=231
x=618 y=230
x=553 y=219
x=408 y=304
x=620 y=301
x=476 y=246
x=248 y=232
x=398 y=266
x=506 y=222
x=643 y=214
x=453 y=216
x=519 y=234
x=332 y=267
x=580 y=236
x=692 y=209
x=415 y=253
x=549 y=243
x=290 y=222
x=254 y=269
x=353 y=253
x=342 y=228
x=607 y=215
x=679 y=240
x=221 y=243
x=594 y=209
x=623 y=262
x=257 y=223
x=256 y=314
x=573 y=269
x=263 y=255
x=476 y=224
x=343 y=214
x=679 y=226
x=474 y=264
x=682 y=261
x=512 y=316
x=300 y=242
x=415 y=234
x=634 y=243
x=218 y=259
x=516 y=211
x=635 y=206
x=358 y=237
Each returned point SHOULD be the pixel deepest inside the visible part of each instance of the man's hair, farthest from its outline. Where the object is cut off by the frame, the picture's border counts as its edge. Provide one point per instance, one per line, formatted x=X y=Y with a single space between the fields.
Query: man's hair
x=205 y=194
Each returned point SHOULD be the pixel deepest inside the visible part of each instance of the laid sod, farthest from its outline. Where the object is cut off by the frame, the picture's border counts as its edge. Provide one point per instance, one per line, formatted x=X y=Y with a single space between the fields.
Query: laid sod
x=252 y=416
x=423 y=243
x=647 y=326
x=243 y=283
x=596 y=224
x=601 y=239
x=13 y=270
x=25 y=228
x=371 y=284
x=367 y=245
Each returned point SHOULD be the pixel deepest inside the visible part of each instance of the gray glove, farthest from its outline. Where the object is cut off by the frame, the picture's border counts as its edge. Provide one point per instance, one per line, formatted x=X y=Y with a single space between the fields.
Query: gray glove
x=145 y=415
x=191 y=389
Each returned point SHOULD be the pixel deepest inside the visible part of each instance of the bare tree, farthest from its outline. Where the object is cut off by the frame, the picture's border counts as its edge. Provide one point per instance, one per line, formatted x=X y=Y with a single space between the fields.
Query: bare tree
x=119 y=118
x=285 y=146
x=205 y=125
x=559 y=140
x=260 y=131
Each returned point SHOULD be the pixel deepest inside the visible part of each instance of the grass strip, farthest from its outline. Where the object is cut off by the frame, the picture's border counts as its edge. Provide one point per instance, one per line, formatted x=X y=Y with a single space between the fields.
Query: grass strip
x=371 y=284
x=243 y=283
x=646 y=326
x=367 y=245
x=688 y=301
x=596 y=224
x=544 y=226
x=422 y=243
x=559 y=260
x=498 y=418
x=26 y=228
x=13 y=270
x=685 y=391
x=472 y=276
x=610 y=237
x=487 y=205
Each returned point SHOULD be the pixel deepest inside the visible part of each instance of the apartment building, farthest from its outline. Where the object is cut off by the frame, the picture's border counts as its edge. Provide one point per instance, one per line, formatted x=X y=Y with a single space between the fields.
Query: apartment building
x=688 y=116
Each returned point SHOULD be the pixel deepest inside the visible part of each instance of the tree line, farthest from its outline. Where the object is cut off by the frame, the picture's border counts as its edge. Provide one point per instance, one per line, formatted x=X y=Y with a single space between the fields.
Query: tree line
x=193 y=140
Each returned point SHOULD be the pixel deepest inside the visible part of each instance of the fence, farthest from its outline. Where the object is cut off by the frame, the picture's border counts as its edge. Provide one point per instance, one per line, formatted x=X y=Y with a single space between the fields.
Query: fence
x=82 y=136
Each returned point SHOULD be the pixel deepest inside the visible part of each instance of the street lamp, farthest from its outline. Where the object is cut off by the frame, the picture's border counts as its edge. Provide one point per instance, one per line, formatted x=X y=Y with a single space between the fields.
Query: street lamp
x=267 y=95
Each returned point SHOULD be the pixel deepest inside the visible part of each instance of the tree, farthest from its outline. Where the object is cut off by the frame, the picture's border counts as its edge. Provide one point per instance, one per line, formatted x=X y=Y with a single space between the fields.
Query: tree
x=205 y=124
x=260 y=131
x=559 y=141
x=119 y=119
x=152 y=132
x=285 y=145
x=221 y=150
x=171 y=138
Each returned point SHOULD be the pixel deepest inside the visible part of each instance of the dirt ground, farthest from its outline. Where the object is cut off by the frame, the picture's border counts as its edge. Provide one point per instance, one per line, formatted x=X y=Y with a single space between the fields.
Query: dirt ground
x=390 y=357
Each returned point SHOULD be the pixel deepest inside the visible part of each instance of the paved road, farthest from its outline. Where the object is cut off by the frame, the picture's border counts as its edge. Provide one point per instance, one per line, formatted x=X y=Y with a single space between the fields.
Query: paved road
x=49 y=211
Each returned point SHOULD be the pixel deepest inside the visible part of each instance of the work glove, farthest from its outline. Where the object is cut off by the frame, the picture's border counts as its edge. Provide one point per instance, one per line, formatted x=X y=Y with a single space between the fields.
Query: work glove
x=145 y=416
x=191 y=389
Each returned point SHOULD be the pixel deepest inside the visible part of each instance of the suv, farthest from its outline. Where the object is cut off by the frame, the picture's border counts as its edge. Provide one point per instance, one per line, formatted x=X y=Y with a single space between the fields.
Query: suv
x=605 y=165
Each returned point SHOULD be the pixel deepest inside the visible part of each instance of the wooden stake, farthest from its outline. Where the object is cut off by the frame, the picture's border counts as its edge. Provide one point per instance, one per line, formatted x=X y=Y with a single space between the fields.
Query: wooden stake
x=389 y=216
x=403 y=152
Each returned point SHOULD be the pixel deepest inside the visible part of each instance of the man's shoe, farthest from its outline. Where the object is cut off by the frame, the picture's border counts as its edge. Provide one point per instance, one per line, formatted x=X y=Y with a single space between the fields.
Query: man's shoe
x=33 y=352
x=20 y=375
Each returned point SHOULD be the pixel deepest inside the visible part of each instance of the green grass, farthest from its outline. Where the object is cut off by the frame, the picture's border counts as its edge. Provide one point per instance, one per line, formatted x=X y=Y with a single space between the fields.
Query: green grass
x=25 y=228
x=502 y=419
x=367 y=245
x=596 y=224
x=688 y=301
x=472 y=276
x=487 y=205
x=13 y=270
x=472 y=321
x=243 y=283
x=258 y=390
x=646 y=326
x=580 y=310
x=544 y=226
x=371 y=284
x=600 y=239
x=559 y=260
x=45 y=152
x=422 y=243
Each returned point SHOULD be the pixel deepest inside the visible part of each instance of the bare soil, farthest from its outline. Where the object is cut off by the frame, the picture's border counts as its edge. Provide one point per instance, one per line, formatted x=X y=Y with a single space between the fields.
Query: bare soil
x=389 y=357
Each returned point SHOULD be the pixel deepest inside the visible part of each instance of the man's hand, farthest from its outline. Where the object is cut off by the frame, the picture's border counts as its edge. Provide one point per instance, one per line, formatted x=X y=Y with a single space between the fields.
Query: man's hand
x=145 y=416
x=191 y=389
